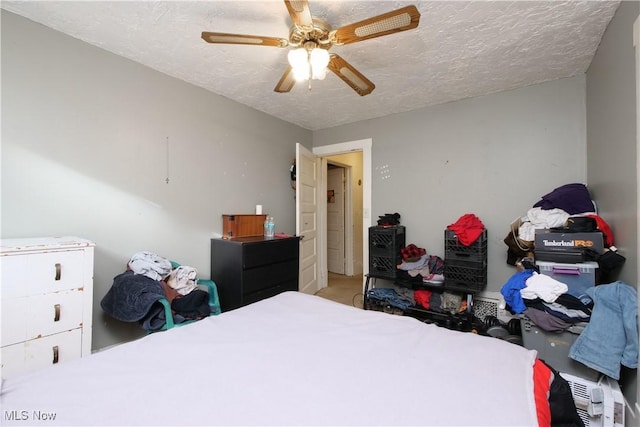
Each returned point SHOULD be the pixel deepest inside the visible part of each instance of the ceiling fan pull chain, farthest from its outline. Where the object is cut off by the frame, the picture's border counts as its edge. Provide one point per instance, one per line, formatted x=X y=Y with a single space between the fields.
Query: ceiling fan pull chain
x=310 y=67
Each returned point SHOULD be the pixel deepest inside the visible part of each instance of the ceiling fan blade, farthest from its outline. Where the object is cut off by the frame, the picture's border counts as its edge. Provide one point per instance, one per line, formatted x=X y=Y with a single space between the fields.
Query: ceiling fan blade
x=402 y=19
x=227 y=38
x=350 y=75
x=300 y=13
x=286 y=81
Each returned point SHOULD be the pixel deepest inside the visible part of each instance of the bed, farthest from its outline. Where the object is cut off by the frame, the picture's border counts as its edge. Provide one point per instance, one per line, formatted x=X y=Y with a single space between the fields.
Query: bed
x=290 y=360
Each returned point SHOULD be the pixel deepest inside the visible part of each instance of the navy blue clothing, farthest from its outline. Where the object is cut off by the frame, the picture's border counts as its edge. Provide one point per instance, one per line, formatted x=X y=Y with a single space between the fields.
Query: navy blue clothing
x=571 y=198
x=132 y=297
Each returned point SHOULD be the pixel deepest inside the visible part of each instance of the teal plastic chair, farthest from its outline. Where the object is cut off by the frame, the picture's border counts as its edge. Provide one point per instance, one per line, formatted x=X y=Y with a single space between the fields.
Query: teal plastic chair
x=214 y=303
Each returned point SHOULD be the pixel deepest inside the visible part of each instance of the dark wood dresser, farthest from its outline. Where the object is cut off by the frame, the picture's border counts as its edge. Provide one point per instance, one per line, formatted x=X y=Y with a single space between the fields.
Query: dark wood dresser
x=248 y=269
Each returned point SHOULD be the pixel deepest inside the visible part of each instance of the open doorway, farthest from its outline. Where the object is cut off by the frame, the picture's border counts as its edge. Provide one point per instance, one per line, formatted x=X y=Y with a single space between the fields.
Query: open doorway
x=344 y=228
x=357 y=198
x=344 y=213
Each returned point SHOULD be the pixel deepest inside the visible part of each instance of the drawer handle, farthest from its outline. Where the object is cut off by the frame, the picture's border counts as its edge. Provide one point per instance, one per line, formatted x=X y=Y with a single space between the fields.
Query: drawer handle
x=56 y=316
x=567 y=271
x=55 y=354
x=58 y=270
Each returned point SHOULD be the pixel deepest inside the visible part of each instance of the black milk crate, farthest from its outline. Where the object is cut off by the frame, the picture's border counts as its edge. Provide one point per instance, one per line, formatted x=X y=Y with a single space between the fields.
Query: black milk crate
x=382 y=267
x=465 y=276
x=386 y=241
x=385 y=244
x=455 y=250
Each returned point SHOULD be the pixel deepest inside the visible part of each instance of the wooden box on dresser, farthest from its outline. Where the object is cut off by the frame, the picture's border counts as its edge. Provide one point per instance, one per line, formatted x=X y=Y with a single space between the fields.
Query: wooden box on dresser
x=46 y=300
x=248 y=269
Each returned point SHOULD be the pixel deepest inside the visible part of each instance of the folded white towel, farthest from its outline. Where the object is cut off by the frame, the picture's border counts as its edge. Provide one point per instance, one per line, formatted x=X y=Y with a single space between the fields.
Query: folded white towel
x=544 y=287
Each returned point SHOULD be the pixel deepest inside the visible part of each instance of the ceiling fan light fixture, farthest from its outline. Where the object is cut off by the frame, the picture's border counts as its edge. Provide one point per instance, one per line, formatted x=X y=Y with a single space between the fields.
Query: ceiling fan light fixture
x=299 y=61
x=319 y=59
x=308 y=64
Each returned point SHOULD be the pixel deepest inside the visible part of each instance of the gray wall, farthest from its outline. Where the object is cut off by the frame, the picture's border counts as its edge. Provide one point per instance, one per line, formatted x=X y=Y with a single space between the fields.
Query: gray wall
x=84 y=152
x=493 y=156
x=612 y=148
x=611 y=134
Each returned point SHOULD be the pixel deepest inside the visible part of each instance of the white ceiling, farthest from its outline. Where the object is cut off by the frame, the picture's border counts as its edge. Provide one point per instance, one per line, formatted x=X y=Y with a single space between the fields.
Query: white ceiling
x=461 y=49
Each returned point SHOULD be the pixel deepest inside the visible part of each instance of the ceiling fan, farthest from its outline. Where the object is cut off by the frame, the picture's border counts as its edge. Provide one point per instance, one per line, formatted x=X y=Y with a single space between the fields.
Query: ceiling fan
x=312 y=38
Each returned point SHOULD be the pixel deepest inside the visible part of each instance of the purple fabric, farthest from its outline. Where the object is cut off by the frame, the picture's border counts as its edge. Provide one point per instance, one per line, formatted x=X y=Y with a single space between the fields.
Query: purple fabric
x=571 y=198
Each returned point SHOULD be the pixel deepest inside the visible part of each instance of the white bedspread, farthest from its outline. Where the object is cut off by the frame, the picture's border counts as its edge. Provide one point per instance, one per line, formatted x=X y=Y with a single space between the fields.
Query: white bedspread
x=291 y=360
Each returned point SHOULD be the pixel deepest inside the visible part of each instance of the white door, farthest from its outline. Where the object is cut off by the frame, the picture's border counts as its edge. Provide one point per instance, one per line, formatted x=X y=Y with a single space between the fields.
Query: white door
x=306 y=218
x=335 y=220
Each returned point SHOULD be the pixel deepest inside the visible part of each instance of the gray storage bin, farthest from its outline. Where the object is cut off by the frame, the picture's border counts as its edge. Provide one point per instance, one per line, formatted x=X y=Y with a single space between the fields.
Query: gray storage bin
x=578 y=277
x=553 y=348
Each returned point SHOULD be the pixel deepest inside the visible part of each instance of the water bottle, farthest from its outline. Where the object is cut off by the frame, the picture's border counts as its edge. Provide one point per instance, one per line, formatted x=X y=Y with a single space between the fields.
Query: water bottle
x=266 y=227
x=271 y=227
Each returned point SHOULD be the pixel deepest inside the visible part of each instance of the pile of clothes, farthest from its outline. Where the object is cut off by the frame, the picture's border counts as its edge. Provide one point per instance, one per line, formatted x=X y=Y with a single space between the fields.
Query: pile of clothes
x=567 y=208
x=468 y=229
x=610 y=337
x=418 y=274
x=388 y=219
x=419 y=267
x=402 y=299
x=545 y=300
x=135 y=294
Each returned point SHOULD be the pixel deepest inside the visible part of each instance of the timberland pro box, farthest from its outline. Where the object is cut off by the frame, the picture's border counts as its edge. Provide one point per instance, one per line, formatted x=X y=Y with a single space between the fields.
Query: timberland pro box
x=553 y=347
x=566 y=247
x=578 y=277
x=242 y=225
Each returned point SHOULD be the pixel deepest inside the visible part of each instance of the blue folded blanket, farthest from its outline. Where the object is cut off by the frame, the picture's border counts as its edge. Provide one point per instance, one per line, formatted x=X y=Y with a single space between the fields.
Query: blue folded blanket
x=133 y=298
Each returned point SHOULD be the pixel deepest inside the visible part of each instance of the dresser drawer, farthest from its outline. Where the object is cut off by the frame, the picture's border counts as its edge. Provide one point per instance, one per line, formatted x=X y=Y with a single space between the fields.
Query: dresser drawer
x=269 y=275
x=269 y=252
x=41 y=315
x=40 y=273
x=40 y=353
x=291 y=285
x=14 y=320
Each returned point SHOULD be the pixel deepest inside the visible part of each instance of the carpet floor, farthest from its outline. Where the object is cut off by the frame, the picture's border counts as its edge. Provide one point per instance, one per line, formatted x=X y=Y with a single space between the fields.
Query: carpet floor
x=344 y=289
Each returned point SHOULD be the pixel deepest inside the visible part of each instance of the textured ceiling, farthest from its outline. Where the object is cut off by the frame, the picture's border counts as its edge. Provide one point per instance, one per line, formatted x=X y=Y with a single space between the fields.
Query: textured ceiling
x=461 y=49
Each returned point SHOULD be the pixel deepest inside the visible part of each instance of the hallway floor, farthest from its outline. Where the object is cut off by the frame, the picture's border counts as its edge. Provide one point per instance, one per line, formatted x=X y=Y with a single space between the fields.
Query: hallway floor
x=344 y=289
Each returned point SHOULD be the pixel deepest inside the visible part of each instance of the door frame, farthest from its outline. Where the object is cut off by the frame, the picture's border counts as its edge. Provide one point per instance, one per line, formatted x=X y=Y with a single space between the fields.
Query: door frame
x=636 y=44
x=365 y=146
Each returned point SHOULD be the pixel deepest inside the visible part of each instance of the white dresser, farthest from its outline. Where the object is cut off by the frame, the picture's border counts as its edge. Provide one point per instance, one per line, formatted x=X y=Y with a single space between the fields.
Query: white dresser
x=47 y=300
